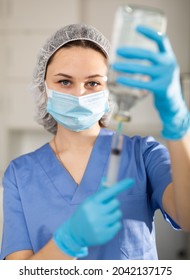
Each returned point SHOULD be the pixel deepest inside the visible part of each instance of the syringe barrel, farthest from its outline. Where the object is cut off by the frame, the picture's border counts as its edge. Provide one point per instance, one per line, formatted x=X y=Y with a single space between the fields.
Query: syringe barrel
x=114 y=159
x=117 y=142
x=113 y=169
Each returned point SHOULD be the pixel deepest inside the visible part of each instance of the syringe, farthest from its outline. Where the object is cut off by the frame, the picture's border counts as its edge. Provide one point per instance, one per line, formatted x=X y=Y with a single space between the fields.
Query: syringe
x=114 y=159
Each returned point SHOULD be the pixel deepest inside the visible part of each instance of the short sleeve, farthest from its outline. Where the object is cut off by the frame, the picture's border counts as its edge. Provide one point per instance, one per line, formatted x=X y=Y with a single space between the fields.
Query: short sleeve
x=15 y=233
x=158 y=167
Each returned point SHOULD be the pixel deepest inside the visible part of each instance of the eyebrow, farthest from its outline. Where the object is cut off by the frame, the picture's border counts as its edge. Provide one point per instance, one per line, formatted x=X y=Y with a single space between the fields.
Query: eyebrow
x=89 y=77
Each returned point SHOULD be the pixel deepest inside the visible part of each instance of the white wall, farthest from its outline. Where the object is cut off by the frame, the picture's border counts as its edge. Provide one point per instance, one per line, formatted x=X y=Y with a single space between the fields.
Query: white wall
x=25 y=24
x=1 y=211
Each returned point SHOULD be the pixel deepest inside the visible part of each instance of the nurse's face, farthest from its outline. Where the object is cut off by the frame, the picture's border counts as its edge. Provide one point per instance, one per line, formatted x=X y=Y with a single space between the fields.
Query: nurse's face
x=77 y=71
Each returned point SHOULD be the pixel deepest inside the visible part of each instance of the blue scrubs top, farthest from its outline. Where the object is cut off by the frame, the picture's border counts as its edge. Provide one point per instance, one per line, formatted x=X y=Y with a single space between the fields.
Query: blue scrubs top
x=40 y=194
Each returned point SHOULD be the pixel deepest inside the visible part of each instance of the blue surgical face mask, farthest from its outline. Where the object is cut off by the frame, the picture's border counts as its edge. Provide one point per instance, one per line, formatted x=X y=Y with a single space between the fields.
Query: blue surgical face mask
x=77 y=113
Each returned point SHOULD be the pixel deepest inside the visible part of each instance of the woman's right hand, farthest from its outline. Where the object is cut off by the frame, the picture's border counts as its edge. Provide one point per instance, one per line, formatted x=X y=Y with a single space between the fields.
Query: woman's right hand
x=96 y=221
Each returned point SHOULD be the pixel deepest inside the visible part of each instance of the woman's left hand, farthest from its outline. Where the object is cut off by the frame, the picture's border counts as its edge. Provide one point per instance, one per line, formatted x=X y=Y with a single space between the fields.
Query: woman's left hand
x=164 y=81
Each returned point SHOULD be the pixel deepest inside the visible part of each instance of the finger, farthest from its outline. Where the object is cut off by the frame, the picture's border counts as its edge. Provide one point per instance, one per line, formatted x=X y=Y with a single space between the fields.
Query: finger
x=129 y=68
x=114 y=228
x=157 y=85
x=138 y=53
x=111 y=192
x=154 y=35
x=109 y=219
x=135 y=83
x=162 y=41
x=109 y=232
x=111 y=206
x=114 y=217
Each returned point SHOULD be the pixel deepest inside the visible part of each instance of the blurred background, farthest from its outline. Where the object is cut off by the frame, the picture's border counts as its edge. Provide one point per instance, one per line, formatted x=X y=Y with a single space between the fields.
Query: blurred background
x=24 y=26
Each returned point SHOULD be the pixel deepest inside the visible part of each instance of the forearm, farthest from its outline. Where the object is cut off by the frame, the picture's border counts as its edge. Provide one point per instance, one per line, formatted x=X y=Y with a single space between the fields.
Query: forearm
x=180 y=163
x=50 y=252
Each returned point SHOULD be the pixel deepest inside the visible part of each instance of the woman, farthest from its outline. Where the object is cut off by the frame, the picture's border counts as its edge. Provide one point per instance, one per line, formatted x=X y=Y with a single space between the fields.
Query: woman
x=55 y=201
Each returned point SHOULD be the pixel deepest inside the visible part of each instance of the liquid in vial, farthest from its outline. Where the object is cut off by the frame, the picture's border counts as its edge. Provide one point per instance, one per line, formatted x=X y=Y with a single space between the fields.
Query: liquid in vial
x=124 y=34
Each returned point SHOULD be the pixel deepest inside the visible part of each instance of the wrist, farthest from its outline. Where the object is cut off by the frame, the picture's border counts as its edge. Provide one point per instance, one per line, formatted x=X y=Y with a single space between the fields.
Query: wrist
x=67 y=244
x=176 y=128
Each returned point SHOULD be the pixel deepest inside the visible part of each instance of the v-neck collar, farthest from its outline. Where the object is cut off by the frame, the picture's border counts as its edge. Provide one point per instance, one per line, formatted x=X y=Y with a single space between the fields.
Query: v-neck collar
x=64 y=182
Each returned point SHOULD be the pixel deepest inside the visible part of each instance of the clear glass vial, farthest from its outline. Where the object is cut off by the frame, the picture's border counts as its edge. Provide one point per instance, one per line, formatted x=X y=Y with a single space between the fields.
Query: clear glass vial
x=127 y=17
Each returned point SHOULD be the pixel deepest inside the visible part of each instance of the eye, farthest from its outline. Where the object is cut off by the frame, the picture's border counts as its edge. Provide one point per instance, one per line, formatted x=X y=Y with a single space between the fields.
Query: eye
x=93 y=84
x=64 y=82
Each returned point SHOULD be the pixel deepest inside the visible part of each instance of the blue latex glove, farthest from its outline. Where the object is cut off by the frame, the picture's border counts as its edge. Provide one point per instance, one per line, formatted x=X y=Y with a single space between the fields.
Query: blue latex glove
x=95 y=222
x=164 y=81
